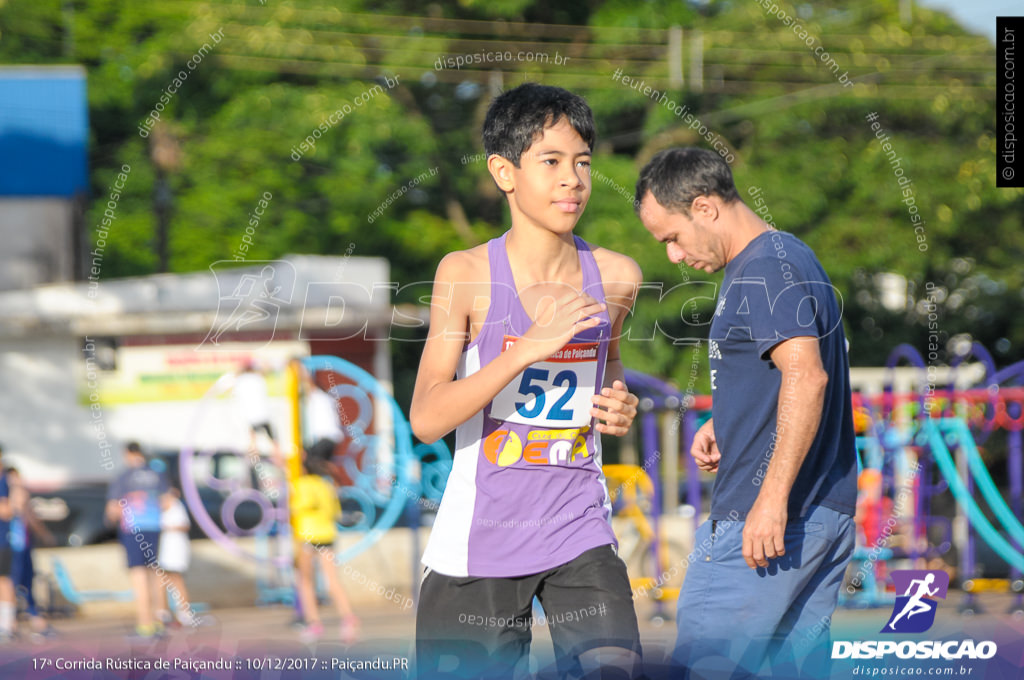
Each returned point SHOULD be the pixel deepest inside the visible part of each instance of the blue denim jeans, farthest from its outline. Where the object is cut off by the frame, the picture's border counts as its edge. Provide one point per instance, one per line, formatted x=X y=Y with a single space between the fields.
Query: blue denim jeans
x=731 y=618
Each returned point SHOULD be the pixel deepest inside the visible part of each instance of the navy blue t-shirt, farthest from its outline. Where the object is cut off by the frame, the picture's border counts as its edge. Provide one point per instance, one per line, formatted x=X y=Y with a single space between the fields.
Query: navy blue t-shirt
x=774 y=290
x=141 y=488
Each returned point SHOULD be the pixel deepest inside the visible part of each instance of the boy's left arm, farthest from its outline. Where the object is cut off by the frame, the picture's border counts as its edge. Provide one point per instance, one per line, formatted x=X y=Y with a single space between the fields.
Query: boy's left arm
x=615 y=406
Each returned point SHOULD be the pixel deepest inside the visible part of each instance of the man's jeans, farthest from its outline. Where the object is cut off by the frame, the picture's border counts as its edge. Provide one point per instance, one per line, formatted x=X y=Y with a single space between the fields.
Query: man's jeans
x=731 y=617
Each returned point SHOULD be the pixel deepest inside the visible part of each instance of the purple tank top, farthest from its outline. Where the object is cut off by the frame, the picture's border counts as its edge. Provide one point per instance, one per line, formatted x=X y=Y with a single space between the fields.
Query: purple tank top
x=526 y=492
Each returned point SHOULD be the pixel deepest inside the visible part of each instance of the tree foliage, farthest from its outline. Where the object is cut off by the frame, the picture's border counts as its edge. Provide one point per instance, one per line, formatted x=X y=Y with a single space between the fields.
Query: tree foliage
x=281 y=72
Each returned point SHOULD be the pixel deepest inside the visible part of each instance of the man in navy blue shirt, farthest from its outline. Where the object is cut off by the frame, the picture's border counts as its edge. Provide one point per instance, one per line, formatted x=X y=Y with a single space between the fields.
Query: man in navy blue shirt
x=780 y=533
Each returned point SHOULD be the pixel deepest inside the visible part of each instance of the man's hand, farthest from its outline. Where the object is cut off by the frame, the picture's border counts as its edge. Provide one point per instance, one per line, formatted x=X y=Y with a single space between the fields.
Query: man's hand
x=556 y=323
x=705 y=448
x=764 y=531
x=619 y=409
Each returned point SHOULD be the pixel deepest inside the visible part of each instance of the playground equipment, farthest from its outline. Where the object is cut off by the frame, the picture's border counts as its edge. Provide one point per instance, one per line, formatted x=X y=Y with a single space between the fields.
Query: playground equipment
x=935 y=433
x=923 y=445
x=955 y=433
x=631 y=492
x=78 y=597
x=654 y=487
x=386 y=475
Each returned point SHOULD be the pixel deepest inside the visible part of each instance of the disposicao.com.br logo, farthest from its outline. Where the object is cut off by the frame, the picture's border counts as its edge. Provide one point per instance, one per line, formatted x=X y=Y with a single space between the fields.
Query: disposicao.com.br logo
x=918 y=586
x=914 y=612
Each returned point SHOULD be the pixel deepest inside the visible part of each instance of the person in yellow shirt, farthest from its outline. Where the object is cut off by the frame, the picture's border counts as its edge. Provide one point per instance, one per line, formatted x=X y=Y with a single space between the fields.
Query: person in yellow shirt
x=314 y=507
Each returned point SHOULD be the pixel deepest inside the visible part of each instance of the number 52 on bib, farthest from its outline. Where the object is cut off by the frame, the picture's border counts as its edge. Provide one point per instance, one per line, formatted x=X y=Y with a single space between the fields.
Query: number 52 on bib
x=555 y=392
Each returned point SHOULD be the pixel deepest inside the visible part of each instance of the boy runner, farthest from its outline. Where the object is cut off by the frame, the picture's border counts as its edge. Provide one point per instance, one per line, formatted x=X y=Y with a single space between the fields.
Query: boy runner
x=522 y=360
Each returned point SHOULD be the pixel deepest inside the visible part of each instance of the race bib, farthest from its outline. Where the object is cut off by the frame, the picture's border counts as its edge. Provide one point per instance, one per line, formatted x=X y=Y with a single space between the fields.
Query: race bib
x=555 y=392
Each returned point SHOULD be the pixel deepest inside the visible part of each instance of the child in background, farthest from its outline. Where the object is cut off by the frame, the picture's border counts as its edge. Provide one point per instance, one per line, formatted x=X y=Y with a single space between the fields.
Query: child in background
x=873 y=511
x=314 y=507
x=175 y=554
x=321 y=427
x=24 y=525
x=322 y=424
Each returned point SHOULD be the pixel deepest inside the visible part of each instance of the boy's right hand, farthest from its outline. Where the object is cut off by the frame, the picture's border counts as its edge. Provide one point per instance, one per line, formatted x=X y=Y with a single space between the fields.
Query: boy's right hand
x=557 y=321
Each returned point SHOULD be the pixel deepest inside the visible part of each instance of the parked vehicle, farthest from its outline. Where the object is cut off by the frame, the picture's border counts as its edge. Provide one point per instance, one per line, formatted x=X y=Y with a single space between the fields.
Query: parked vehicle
x=74 y=514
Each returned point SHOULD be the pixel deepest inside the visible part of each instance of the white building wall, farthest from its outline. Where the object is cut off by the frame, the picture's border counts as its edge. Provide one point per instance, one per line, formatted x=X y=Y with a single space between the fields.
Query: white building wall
x=37 y=241
x=45 y=432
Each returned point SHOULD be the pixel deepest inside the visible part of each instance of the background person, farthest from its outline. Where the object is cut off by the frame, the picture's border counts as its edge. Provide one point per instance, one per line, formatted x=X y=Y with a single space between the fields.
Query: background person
x=134 y=502
x=322 y=424
x=313 y=503
x=24 y=529
x=174 y=557
x=8 y=606
x=251 y=399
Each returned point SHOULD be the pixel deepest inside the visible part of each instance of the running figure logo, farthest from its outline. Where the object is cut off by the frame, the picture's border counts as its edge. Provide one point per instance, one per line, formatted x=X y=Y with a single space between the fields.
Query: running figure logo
x=914 y=611
x=254 y=301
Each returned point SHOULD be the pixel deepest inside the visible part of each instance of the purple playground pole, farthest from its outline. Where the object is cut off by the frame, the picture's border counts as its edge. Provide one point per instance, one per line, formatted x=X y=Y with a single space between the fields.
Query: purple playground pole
x=649 y=437
x=1016 y=491
x=910 y=353
x=1013 y=375
x=926 y=490
x=692 y=473
x=923 y=481
x=969 y=556
x=979 y=352
x=1016 y=474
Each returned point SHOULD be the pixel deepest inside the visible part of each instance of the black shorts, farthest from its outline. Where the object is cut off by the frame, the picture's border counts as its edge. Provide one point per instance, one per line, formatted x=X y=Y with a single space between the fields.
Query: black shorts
x=6 y=559
x=481 y=627
x=322 y=450
x=262 y=426
x=318 y=546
